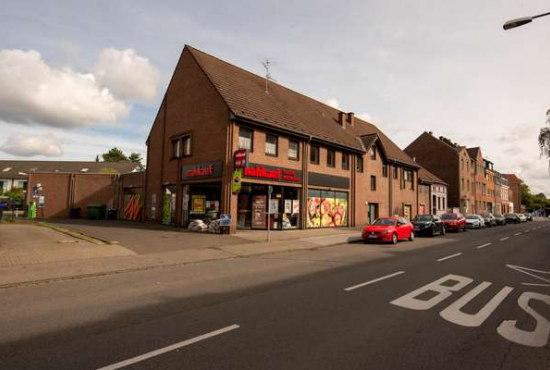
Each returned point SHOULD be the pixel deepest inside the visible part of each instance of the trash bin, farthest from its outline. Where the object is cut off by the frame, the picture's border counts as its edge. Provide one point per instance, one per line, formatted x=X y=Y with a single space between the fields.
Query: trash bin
x=75 y=212
x=112 y=214
x=96 y=211
x=31 y=212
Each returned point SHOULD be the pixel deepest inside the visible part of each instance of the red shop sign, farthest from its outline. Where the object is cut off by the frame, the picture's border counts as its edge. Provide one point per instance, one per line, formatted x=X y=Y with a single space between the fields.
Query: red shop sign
x=272 y=173
x=240 y=158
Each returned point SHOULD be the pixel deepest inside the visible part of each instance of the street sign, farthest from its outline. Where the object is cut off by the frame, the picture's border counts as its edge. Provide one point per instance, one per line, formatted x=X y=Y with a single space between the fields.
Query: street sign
x=225 y=220
x=41 y=201
x=270 y=189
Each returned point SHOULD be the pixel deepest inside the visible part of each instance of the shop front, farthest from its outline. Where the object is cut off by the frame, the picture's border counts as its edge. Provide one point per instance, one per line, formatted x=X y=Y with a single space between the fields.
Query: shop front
x=327 y=207
x=201 y=193
x=269 y=190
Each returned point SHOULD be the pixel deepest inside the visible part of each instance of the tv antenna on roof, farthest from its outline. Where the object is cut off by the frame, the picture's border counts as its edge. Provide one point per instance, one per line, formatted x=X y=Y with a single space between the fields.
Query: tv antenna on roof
x=267 y=64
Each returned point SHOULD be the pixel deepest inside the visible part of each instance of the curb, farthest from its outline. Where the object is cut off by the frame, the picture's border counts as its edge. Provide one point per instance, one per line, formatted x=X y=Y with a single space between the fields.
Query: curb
x=73 y=233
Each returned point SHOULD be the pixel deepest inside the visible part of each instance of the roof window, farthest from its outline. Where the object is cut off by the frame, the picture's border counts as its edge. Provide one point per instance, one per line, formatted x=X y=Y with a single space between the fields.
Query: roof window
x=84 y=170
x=6 y=169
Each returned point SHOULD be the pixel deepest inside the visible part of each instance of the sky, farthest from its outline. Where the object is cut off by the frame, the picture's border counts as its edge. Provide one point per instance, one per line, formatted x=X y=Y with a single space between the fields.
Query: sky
x=79 y=77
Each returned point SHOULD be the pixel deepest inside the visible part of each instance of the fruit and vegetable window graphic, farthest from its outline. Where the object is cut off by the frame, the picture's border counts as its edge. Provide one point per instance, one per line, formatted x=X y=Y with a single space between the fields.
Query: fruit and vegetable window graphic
x=327 y=208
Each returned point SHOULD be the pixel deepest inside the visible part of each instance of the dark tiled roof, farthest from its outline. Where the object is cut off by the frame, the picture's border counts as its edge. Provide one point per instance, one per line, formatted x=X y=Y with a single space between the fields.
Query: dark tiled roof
x=15 y=169
x=427 y=177
x=473 y=152
x=369 y=140
x=283 y=108
x=512 y=178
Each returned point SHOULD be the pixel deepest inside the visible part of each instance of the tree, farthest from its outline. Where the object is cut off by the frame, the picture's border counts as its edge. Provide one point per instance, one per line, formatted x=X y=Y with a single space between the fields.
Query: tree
x=16 y=194
x=135 y=158
x=544 y=139
x=115 y=155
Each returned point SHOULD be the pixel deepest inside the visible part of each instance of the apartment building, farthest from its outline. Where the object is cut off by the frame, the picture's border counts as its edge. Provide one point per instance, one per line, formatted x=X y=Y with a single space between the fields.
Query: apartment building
x=226 y=141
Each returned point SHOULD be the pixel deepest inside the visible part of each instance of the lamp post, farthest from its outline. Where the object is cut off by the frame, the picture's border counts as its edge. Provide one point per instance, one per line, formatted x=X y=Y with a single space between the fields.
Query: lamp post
x=521 y=21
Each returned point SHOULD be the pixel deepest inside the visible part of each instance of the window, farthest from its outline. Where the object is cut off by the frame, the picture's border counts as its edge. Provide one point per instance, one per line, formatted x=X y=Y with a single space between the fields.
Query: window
x=6 y=169
x=176 y=148
x=186 y=140
x=359 y=165
x=395 y=173
x=271 y=145
x=408 y=177
x=181 y=147
x=331 y=158
x=345 y=161
x=314 y=155
x=373 y=183
x=385 y=170
x=246 y=138
x=293 y=149
x=373 y=153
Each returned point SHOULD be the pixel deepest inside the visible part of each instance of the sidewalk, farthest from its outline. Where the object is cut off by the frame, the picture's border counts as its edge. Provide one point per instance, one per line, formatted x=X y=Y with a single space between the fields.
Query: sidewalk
x=154 y=247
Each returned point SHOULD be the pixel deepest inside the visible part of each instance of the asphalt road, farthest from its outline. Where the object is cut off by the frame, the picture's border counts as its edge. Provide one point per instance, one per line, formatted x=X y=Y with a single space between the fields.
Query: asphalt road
x=478 y=300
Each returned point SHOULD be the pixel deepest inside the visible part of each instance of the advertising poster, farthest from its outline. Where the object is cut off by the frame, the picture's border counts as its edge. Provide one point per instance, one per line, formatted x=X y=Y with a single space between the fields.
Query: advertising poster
x=258 y=212
x=288 y=206
x=295 y=207
x=273 y=206
x=198 y=203
x=328 y=211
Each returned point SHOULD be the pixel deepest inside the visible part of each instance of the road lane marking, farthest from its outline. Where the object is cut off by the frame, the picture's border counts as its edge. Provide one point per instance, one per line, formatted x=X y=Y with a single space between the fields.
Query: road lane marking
x=534 y=284
x=373 y=281
x=534 y=228
x=505 y=238
x=451 y=256
x=525 y=270
x=483 y=246
x=170 y=348
x=526 y=231
x=516 y=234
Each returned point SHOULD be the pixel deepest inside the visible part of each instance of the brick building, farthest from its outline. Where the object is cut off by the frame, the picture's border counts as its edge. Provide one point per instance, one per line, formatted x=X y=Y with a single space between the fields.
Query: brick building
x=451 y=163
x=325 y=167
x=515 y=191
x=432 y=193
x=502 y=190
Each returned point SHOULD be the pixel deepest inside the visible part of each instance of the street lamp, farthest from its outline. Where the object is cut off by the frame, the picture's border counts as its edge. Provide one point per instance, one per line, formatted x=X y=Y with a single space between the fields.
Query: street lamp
x=521 y=21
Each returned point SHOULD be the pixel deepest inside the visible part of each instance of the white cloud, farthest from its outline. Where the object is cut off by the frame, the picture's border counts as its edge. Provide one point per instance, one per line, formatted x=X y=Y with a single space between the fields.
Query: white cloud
x=128 y=75
x=33 y=92
x=22 y=145
x=332 y=102
x=364 y=116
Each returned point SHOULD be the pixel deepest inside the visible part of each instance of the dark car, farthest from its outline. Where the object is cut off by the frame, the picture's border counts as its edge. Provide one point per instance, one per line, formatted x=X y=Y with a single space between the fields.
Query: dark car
x=428 y=225
x=500 y=219
x=489 y=219
x=4 y=203
x=512 y=218
x=454 y=221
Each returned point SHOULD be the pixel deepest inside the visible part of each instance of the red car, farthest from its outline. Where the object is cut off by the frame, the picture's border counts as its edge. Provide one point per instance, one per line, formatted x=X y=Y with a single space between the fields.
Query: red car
x=454 y=222
x=389 y=229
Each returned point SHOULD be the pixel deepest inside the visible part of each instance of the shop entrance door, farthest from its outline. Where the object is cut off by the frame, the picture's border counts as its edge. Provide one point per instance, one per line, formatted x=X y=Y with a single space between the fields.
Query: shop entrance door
x=373 y=212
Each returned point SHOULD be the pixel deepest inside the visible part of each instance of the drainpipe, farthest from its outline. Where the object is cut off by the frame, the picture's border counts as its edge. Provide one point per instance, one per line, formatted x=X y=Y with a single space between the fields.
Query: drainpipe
x=305 y=182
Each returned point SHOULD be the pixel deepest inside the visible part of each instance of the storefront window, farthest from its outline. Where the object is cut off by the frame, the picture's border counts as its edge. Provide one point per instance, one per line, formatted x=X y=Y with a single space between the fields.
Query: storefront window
x=327 y=208
x=253 y=206
x=204 y=202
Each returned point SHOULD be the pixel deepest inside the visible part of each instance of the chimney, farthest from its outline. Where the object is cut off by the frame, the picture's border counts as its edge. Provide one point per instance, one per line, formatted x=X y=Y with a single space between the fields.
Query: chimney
x=351 y=118
x=342 y=119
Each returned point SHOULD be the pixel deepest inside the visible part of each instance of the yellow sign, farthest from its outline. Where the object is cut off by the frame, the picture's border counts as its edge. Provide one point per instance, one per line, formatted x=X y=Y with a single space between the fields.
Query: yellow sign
x=237 y=180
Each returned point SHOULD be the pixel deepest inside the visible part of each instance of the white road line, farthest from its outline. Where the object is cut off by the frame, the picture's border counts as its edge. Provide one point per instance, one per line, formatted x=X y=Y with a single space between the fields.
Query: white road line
x=526 y=231
x=172 y=347
x=516 y=234
x=534 y=284
x=451 y=256
x=373 y=281
x=505 y=238
x=483 y=246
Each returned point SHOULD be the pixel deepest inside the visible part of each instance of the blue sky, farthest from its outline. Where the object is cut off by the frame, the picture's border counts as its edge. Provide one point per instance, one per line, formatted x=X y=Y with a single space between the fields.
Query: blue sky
x=408 y=66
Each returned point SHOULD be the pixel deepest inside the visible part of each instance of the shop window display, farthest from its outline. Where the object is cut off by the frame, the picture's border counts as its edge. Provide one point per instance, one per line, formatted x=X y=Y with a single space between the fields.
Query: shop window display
x=327 y=209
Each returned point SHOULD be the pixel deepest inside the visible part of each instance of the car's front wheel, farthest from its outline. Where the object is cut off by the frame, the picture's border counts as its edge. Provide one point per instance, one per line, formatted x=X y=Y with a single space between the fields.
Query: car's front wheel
x=411 y=236
x=443 y=231
x=394 y=238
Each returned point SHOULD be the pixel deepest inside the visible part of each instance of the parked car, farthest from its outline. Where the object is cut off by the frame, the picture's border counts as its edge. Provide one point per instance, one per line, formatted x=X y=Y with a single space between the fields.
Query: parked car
x=500 y=219
x=529 y=216
x=389 y=229
x=4 y=203
x=475 y=222
x=454 y=222
x=428 y=225
x=522 y=217
x=512 y=218
x=489 y=220
x=8 y=204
